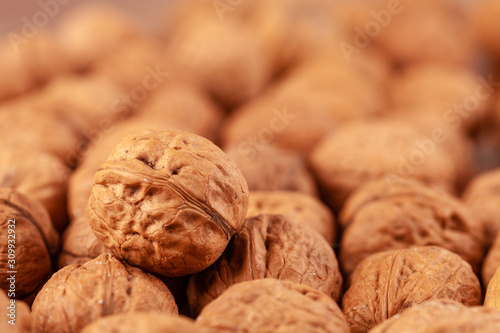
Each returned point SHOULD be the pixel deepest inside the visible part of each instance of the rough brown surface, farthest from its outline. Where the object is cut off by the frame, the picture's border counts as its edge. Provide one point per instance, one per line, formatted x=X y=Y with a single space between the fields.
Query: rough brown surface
x=167 y=201
x=16 y=320
x=405 y=214
x=363 y=151
x=77 y=295
x=269 y=305
x=305 y=209
x=151 y=322
x=386 y=283
x=272 y=168
x=442 y=316
x=491 y=262
x=269 y=246
x=31 y=240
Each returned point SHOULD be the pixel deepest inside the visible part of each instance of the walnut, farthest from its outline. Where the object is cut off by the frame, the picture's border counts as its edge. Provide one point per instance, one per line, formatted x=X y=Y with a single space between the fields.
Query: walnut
x=482 y=195
x=16 y=317
x=362 y=151
x=269 y=246
x=386 y=283
x=27 y=244
x=167 y=201
x=407 y=214
x=151 y=322
x=272 y=168
x=492 y=261
x=305 y=209
x=492 y=298
x=77 y=295
x=487 y=26
x=269 y=305
x=442 y=316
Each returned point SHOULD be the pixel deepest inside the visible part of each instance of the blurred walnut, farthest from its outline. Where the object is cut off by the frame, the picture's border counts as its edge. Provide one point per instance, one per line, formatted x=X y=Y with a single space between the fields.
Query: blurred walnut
x=442 y=316
x=492 y=261
x=269 y=246
x=167 y=201
x=386 y=283
x=27 y=244
x=305 y=209
x=271 y=168
x=405 y=214
x=487 y=25
x=269 y=305
x=101 y=287
x=16 y=317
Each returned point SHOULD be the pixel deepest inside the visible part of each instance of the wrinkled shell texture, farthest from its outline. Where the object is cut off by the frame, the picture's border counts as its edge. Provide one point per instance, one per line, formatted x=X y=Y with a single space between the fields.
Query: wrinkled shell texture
x=407 y=214
x=150 y=322
x=386 y=283
x=272 y=169
x=167 y=201
x=23 y=320
x=491 y=262
x=440 y=316
x=35 y=240
x=305 y=209
x=77 y=295
x=269 y=246
x=492 y=298
x=269 y=305
x=363 y=151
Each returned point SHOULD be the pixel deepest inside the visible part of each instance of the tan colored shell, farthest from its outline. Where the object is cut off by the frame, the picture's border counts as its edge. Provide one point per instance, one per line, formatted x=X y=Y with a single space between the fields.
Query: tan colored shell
x=272 y=168
x=386 y=283
x=77 y=295
x=442 y=316
x=31 y=237
x=491 y=262
x=150 y=322
x=269 y=305
x=362 y=151
x=20 y=316
x=406 y=214
x=492 y=298
x=167 y=201
x=305 y=209
x=269 y=246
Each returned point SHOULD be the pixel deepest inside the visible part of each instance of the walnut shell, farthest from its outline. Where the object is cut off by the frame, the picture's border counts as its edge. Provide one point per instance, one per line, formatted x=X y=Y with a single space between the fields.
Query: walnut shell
x=269 y=305
x=77 y=295
x=386 y=283
x=305 y=209
x=151 y=322
x=167 y=201
x=492 y=298
x=407 y=214
x=269 y=246
x=442 y=316
x=30 y=241
x=363 y=151
x=17 y=320
x=273 y=168
x=487 y=26
x=492 y=261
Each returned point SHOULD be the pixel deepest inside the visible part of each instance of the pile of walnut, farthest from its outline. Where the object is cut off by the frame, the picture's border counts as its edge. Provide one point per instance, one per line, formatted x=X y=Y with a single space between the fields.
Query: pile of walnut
x=259 y=166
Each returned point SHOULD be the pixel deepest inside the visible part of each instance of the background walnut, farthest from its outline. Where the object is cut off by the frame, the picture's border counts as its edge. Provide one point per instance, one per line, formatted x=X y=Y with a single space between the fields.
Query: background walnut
x=77 y=295
x=167 y=201
x=150 y=322
x=491 y=262
x=407 y=214
x=442 y=316
x=492 y=298
x=20 y=317
x=25 y=226
x=269 y=246
x=386 y=283
x=269 y=305
x=305 y=209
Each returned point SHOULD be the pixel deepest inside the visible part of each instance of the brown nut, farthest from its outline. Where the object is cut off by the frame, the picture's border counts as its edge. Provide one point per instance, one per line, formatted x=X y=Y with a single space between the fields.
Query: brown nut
x=272 y=168
x=269 y=246
x=305 y=209
x=482 y=196
x=363 y=151
x=167 y=201
x=151 y=322
x=487 y=25
x=28 y=242
x=395 y=216
x=269 y=305
x=492 y=298
x=442 y=316
x=491 y=262
x=16 y=317
x=386 y=283
x=77 y=295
